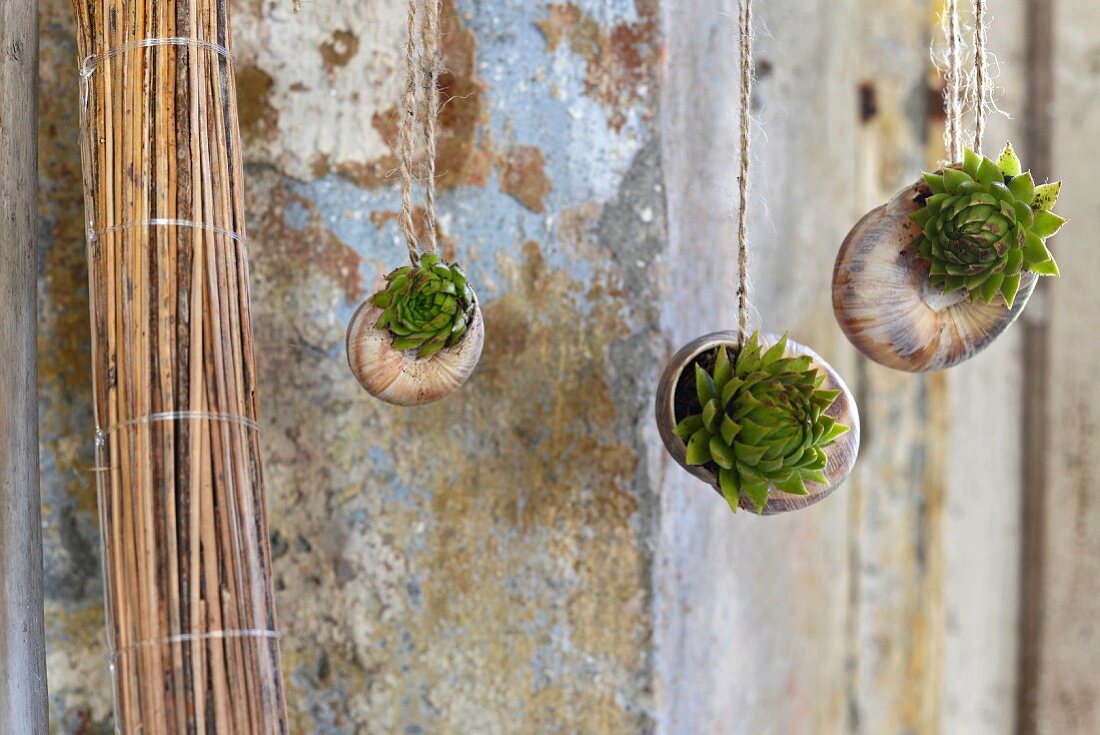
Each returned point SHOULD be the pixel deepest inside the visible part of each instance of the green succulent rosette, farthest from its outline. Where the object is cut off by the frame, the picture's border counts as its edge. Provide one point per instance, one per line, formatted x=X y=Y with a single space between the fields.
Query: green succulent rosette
x=426 y=307
x=984 y=224
x=762 y=422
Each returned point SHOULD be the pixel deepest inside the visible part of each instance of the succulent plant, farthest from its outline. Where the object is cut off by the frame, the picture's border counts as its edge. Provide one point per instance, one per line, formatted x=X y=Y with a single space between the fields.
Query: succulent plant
x=426 y=307
x=761 y=422
x=985 y=222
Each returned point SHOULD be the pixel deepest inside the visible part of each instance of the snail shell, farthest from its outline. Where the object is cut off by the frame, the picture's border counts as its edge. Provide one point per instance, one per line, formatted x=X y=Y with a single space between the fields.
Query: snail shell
x=884 y=303
x=400 y=377
x=842 y=453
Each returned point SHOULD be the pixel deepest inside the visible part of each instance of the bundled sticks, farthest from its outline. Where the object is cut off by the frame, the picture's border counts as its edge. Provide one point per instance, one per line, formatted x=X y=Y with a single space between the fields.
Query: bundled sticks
x=191 y=616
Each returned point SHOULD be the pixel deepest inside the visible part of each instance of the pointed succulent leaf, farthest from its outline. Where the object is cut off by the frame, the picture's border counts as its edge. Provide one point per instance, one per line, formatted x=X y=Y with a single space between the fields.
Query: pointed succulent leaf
x=705 y=389
x=1046 y=196
x=722 y=369
x=935 y=183
x=816 y=476
x=721 y=453
x=1047 y=224
x=953 y=178
x=1009 y=289
x=730 y=485
x=1045 y=268
x=698 y=448
x=712 y=416
x=793 y=486
x=688 y=426
x=988 y=172
x=971 y=163
x=729 y=429
x=1034 y=250
x=757 y=492
x=774 y=352
x=1022 y=187
x=1009 y=163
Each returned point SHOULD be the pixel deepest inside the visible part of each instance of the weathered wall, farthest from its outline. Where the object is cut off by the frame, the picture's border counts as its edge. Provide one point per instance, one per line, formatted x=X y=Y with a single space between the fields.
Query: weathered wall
x=521 y=557
x=481 y=565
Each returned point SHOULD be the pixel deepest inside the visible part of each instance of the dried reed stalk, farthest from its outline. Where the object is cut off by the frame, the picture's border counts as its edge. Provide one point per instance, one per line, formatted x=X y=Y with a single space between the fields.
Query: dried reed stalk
x=190 y=608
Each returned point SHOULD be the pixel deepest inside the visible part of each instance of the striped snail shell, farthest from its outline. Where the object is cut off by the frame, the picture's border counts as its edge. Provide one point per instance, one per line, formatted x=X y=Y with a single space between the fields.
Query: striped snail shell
x=678 y=377
x=886 y=306
x=411 y=370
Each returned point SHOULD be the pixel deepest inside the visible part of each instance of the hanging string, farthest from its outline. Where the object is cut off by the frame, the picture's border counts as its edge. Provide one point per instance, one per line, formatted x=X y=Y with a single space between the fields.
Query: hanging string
x=745 y=19
x=953 y=103
x=431 y=70
x=406 y=128
x=419 y=113
x=982 y=92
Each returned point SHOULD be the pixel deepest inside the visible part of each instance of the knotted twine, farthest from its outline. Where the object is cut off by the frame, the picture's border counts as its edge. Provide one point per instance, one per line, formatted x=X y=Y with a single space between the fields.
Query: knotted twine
x=981 y=75
x=745 y=35
x=978 y=90
x=419 y=113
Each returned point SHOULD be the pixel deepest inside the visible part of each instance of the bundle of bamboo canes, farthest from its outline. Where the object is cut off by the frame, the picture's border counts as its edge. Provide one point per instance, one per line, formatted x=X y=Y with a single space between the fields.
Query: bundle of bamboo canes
x=190 y=608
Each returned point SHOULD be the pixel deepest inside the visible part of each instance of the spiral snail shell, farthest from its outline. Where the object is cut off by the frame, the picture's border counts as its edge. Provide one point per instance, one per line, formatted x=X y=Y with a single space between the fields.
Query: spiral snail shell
x=888 y=309
x=676 y=384
x=426 y=347
x=935 y=275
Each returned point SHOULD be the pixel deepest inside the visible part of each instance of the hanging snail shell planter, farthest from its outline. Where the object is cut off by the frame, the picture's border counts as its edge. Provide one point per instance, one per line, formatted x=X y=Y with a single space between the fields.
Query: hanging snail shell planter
x=419 y=337
x=932 y=277
x=771 y=426
x=763 y=420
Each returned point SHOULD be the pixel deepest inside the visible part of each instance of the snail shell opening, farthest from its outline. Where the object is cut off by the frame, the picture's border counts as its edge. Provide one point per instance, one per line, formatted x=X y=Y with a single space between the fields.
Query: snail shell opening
x=841 y=454
x=885 y=306
x=400 y=377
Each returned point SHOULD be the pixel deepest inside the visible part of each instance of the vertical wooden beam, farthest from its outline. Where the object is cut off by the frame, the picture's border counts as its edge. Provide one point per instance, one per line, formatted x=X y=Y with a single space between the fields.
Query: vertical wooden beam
x=981 y=580
x=1038 y=124
x=22 y=649
x=1061 y=693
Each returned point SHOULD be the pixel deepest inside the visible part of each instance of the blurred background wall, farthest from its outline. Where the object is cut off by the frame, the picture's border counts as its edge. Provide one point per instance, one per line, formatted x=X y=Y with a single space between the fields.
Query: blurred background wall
x=521 y=558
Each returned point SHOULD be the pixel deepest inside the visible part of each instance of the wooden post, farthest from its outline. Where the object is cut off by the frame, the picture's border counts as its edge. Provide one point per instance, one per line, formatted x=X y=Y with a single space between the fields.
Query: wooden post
x=22 y=649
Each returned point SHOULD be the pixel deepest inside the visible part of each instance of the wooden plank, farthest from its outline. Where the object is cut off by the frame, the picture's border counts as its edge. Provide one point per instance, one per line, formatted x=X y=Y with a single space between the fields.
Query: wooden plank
x=22 y=648
x=896 y=630
x=871 y=656
x=752 y=612
x=1067 y=690
x=1035 y=393
x=982 y=515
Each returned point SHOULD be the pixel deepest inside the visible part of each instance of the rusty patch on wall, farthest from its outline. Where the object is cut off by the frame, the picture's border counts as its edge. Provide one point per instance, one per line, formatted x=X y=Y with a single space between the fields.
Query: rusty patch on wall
x=259 y=120
x=339 y=50
x=523 y=176
x=621 y=63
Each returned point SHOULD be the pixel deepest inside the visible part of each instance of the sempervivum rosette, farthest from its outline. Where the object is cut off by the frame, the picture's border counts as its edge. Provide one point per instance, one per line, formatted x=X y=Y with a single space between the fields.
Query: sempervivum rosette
x=771 y=426
x=418 y=338
x=935 y=275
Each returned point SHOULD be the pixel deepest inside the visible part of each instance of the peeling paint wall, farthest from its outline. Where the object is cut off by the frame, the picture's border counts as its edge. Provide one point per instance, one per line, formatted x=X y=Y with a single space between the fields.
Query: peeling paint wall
x=522 y=558
x=483 y=564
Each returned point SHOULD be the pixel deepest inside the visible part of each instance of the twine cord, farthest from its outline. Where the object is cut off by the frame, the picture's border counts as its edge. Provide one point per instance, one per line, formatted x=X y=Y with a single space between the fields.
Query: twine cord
x=961 y=90
x=431 y=69
x=981 y=73
x=953 y=103
x=406 y=127
x=745 y=35
x=419 y=115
